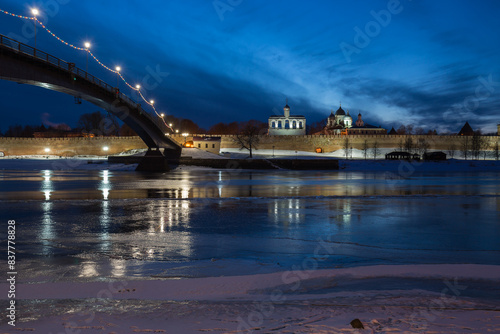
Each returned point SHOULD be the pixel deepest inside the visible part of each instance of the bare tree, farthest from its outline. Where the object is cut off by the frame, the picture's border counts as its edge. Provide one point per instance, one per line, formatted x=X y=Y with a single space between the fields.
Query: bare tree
x=422 y=145
x=477 y=144
x=99 y=123
x=409 y=129
x=365 y=149
x=465 y=147
x=408 y=145
x=248 y=138
x=401 y=145
x=452 y=147
x=419 y=131
x=495 y=151
x=346 y=146
x=375 y=150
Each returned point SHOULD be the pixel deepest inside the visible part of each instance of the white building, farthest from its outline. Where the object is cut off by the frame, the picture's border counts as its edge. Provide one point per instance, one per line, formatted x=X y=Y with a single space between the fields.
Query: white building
x=287 y=125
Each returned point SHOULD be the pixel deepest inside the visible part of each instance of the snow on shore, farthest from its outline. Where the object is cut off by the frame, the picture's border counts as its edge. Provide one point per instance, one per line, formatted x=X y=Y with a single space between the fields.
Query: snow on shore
x=394 y=166
x=300 y=301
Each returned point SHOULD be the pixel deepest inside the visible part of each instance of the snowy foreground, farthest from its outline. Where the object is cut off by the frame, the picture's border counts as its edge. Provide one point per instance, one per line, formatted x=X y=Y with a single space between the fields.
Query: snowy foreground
x=299 y=301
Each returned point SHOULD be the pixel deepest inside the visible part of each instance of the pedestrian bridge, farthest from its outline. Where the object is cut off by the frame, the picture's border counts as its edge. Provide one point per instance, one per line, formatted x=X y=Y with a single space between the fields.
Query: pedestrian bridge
x=24 y=64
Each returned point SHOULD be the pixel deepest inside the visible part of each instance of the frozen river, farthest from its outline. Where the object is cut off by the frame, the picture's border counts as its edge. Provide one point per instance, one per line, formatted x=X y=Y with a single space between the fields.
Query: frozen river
x=88 y=225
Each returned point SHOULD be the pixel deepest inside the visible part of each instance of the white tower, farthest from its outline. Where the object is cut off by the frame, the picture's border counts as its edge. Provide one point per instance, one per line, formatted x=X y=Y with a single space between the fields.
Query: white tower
x=287 y=109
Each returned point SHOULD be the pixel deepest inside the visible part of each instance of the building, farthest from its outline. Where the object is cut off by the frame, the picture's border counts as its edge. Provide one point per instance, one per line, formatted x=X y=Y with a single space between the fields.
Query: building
x=466 y=130
x=398 y=155
x=338 y=122
x=362 y=128
x=209 y=144
x=434 y=156
x=392 y=132
x=341 y=123
x=287 y=125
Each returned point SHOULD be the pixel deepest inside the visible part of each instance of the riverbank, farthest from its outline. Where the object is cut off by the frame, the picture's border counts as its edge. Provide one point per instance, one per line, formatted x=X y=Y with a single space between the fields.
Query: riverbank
x=441 y=299
x=403 y=168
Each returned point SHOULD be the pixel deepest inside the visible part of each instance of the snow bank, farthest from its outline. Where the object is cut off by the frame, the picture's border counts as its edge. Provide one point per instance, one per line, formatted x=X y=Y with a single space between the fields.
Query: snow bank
x=269 y=303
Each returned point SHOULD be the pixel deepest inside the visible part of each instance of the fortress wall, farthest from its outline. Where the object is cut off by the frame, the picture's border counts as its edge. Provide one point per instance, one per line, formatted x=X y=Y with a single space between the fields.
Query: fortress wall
x=308 y=143
x=69 y=146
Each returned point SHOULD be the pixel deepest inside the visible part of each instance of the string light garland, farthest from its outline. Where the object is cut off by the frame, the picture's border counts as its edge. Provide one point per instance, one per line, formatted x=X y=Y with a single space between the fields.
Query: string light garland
x=86 y=49
x=15 y=15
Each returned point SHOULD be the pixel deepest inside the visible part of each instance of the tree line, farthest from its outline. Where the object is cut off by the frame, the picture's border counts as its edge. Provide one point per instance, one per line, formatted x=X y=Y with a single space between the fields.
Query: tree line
x=104 y=124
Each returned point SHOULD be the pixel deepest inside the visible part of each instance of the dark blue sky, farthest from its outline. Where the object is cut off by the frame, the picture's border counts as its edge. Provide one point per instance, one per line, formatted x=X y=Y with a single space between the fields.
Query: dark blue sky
x=434 y=64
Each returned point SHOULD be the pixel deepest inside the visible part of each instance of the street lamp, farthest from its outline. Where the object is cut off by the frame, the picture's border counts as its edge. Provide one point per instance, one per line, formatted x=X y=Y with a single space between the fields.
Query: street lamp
x=137 y=87
x=152 y=102
x=162 y=115
x=35 y=12
x=176 y=131
x=185 y=135
x=87 y=47
x=118 y=69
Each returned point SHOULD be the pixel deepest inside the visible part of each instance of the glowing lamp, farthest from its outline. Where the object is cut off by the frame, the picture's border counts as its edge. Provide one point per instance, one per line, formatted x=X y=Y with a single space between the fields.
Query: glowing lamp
x=118 y=68
x=162 y=115
x=35 y=11
x=137 y=86
x=87 y=45
x=47 y=150
x=105 y=148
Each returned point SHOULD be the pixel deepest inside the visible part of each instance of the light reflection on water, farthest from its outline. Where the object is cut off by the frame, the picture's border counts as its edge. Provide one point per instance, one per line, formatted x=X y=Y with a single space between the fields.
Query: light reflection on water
x=265 y=217
x=64 y=185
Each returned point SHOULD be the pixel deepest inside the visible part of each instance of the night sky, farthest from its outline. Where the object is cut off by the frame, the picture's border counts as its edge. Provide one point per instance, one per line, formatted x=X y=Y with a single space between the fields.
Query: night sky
x=429 y=63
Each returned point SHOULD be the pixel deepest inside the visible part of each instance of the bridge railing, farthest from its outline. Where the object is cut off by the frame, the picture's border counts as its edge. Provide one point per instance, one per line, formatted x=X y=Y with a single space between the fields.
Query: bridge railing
x=69 y=67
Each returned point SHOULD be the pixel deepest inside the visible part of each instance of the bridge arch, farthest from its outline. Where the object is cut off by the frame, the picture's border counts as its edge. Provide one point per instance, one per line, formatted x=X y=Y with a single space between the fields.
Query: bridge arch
x=24 y=64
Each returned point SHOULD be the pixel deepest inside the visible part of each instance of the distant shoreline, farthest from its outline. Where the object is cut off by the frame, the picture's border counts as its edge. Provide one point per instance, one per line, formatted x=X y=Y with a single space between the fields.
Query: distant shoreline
x=128 y=163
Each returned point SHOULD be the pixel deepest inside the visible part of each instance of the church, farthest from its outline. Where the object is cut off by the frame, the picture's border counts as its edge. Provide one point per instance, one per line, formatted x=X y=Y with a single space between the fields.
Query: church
x=287 y=125
x=341 y=123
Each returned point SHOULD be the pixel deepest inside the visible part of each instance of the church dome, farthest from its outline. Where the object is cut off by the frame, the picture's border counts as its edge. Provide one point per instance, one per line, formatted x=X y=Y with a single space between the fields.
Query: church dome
x=340 y=112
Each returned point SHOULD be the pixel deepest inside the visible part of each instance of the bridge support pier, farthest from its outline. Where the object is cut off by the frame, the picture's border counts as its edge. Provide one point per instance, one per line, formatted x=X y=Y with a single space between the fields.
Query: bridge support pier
x=156 y=161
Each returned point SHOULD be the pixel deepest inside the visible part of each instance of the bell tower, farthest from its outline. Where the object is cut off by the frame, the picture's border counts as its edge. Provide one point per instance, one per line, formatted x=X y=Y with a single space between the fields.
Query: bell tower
x=286 y=109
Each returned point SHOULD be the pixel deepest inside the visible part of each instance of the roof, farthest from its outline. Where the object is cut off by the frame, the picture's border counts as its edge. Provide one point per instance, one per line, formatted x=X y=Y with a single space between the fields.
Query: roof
x=206 y=138
x=287 y=106
x=291 y=116
x=393 y=132
x=366 y=126
x=340 y=111
x=466 y=130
